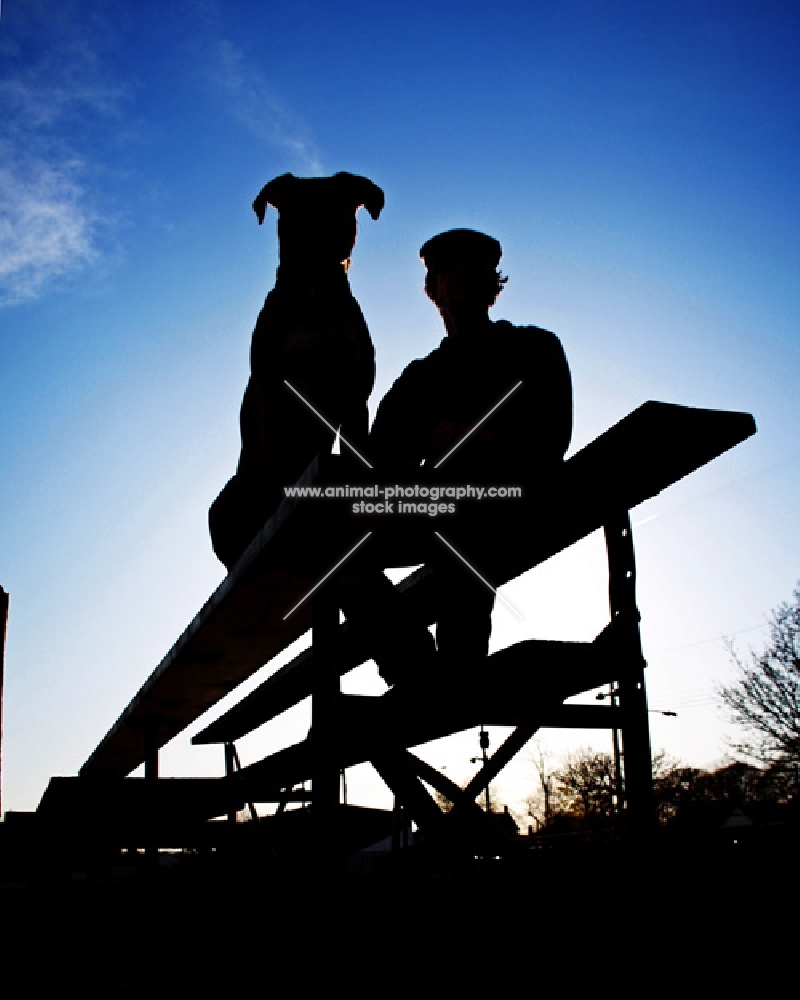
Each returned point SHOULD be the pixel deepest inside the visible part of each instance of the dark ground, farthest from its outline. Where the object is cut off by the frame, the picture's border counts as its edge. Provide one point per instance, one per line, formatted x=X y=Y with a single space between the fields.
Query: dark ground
x=662 y=920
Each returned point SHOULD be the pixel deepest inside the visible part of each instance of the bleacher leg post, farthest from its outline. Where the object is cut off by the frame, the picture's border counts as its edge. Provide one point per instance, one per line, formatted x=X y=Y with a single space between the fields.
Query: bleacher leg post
x=230 y=758
x=632 y=695
x=325 y=696
x=151 y=752
x=151 y=774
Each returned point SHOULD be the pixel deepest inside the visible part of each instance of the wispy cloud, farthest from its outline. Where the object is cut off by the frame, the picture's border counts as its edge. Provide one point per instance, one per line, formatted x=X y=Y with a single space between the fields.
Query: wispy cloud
x=246 y=92
x=60 y=103
x=46 y=229
x=49 y=227
x=252 y=102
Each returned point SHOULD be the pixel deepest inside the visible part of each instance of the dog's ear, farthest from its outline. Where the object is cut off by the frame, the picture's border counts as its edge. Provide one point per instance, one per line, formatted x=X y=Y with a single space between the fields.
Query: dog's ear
x=371 y=197
x=363 y=192
x=272 y=194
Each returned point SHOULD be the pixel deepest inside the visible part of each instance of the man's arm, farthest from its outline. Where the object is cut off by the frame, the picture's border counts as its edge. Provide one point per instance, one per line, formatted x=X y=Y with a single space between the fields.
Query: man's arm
x=557 y=393
x=395 y=443
x=533 y=427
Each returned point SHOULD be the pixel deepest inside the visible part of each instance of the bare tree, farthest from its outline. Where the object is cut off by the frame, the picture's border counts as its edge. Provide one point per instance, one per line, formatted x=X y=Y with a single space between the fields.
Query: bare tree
x=765 y=698
x=540 y=803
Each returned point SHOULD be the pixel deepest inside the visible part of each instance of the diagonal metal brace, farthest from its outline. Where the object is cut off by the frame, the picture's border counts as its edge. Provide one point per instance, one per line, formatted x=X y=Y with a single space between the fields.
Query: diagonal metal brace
x=408 y=789
x=495 y=764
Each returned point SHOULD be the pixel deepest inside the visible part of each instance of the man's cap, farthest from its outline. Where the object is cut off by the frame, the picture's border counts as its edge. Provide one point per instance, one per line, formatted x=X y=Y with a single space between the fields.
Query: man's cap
x=460 y=246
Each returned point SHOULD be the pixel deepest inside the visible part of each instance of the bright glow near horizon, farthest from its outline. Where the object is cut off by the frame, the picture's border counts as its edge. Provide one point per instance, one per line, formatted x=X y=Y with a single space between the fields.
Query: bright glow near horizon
x=637 y=163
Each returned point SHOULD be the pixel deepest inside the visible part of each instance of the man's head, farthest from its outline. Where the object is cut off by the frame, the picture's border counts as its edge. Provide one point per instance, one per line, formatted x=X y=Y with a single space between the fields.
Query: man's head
x=462 y=269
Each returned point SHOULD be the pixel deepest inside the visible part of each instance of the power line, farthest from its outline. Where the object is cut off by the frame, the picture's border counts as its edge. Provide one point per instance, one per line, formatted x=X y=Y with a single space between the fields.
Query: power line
x=717 y=638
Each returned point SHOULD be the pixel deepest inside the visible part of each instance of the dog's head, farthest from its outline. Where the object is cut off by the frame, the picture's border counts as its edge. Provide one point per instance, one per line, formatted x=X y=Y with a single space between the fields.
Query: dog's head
x=317 y=215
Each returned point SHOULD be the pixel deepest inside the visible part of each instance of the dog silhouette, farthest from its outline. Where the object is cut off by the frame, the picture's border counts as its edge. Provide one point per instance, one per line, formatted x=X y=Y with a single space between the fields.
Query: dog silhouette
x=310 y=334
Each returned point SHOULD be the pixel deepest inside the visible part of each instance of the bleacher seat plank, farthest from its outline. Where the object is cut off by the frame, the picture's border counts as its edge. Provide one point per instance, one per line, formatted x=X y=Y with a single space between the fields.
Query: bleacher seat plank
x=527 y=681
x=242 y=625
x=666 y=441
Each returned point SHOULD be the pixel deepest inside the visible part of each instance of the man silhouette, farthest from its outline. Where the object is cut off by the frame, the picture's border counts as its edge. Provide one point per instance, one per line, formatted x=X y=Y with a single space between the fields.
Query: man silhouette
x=430 y=426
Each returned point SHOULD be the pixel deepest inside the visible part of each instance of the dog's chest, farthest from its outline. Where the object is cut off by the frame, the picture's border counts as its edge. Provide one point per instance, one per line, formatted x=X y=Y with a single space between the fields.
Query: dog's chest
x=306 y=335
x=325 y=338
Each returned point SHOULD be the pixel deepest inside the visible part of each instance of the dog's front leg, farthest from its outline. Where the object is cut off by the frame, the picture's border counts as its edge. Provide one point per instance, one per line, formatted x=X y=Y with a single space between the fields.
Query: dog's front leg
x=354 y=429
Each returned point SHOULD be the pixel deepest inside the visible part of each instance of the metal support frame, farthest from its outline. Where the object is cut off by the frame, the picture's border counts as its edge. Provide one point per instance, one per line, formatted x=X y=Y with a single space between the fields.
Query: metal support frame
x=401 y=826
x=647 y=451
x=630 y=692
x=232 y=765
x=400 y=774
x=287 y=795
x=466 y=824
x=151 y=752
x=402 y=771
x=151 y=774
x=325 y=701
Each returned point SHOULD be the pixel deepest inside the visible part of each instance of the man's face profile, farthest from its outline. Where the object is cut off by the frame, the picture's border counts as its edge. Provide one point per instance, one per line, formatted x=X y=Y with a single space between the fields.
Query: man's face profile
x=460 y=285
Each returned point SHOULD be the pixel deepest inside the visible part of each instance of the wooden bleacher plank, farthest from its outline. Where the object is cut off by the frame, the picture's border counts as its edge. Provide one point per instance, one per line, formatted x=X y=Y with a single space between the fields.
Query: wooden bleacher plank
x=121 y=802
x=110 y=801
x=517 y=686
x=242 y=625
x=290 y=683
x=237 y=630
x=599 y=478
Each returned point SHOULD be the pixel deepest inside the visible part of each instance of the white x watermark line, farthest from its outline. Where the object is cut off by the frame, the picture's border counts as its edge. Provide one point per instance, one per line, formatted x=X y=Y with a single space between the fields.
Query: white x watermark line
x=469 y=566
x=331 y=427
x=473 y=429
x=330 y=571
x=441 y=537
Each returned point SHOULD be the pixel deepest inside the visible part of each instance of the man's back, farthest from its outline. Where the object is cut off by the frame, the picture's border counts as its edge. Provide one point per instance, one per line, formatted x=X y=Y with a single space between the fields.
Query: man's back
x=439 y=399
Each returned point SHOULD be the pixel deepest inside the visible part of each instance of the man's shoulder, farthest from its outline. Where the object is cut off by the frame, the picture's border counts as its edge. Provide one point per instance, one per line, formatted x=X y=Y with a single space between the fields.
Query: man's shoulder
x=530 y=334
x=530 y=341
x=412 y=381
x=419 y=368
x=416 y=369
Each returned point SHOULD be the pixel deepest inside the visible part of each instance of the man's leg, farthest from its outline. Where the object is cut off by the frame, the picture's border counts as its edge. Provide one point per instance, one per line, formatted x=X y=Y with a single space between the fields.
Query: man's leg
x=464 y=619
x=399 y=646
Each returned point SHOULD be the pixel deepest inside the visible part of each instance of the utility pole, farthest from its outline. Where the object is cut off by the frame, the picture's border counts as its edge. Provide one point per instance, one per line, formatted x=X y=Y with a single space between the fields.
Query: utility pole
x=485 y=759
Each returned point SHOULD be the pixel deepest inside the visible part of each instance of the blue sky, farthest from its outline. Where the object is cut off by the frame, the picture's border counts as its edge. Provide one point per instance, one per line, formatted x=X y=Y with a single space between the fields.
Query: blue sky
x=638 y=162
